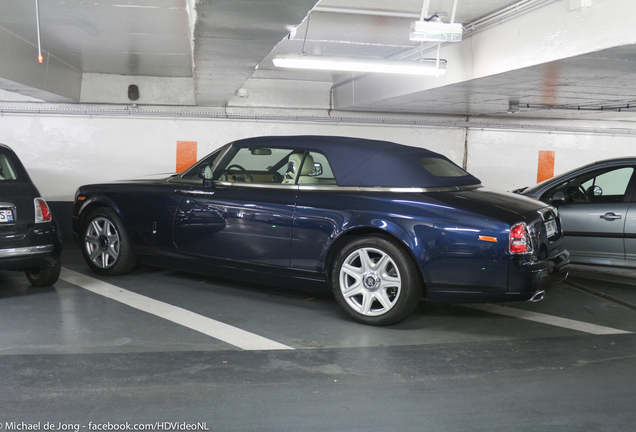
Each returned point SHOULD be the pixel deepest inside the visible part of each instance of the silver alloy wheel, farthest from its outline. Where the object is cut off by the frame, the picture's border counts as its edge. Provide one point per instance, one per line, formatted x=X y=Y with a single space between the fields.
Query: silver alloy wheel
x=102 y=242
x=370 y=281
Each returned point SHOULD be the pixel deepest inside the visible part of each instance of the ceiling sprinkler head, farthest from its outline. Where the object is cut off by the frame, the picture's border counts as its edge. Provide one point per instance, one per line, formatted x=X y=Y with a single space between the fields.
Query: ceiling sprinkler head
x=439 y=16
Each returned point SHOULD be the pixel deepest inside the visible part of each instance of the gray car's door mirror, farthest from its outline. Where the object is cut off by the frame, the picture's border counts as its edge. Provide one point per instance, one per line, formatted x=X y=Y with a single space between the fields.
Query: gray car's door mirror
x=558 y=198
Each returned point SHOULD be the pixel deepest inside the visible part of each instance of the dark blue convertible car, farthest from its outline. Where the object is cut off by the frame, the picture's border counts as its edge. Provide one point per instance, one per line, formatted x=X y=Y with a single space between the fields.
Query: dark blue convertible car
x=381 y=225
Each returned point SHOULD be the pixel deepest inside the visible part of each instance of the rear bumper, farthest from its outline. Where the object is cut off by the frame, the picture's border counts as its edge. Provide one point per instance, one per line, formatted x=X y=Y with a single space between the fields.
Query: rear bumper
x=39 y=247
x=527 y=281
x=531 y=277
x=28 y=251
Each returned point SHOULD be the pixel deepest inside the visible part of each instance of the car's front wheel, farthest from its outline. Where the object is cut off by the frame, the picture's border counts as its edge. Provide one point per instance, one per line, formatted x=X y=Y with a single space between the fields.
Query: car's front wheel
x=106 y=246
x=43 y=277
x=375 y=281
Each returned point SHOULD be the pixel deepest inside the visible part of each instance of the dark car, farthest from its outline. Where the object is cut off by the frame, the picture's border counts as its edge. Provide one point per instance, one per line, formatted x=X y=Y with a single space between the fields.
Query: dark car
x=30 y=240
x=596 y=203
x=380 y=224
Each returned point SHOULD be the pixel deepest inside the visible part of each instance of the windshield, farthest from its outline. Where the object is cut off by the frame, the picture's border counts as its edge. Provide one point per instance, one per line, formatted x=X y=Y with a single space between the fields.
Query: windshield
x=212 y=159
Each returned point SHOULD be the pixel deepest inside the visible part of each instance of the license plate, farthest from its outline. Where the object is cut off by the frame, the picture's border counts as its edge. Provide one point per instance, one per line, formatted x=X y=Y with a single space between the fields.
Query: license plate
x=550 y=227
x=6 y=216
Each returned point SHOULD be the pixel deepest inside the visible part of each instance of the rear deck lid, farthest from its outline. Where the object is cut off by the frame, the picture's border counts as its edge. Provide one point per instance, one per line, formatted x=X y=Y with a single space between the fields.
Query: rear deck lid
x=504 y=206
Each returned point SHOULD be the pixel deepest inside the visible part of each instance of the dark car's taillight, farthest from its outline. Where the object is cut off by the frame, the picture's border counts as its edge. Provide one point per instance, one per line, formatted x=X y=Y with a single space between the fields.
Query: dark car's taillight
x=42 y=212
x=519 y=239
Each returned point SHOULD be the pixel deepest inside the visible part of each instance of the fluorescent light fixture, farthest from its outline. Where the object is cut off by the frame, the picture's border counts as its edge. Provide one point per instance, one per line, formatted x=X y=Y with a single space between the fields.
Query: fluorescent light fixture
x=357 y=64
x=435 y=31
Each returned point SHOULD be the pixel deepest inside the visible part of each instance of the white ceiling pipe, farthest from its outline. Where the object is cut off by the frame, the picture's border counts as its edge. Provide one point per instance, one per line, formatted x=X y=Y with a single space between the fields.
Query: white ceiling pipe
x=351 y=11
x=425 y=5
x=452 y=20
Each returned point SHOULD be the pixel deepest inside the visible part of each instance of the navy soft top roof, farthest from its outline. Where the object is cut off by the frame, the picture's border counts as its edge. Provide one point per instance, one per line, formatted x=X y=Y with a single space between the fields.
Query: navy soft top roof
x=364 y=162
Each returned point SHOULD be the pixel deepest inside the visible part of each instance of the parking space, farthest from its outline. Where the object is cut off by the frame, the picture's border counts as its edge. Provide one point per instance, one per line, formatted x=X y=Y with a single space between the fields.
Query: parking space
x=173 y=346
x=153 y=310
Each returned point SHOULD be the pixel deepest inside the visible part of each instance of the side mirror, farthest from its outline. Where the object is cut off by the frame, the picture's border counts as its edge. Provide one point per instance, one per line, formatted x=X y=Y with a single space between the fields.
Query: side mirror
x=317 y=171
x=205 y=173
x=558 y=198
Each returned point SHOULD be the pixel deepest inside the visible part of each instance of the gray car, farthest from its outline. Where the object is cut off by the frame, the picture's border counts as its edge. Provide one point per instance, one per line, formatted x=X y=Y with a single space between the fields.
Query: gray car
x=597 y=206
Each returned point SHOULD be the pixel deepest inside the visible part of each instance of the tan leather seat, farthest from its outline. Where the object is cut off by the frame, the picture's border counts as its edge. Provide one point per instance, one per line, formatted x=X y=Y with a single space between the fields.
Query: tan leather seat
x=292 y=170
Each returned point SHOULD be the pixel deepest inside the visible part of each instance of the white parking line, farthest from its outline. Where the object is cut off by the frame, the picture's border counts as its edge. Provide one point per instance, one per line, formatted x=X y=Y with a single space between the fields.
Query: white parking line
x=547 y=319
x=218 y=330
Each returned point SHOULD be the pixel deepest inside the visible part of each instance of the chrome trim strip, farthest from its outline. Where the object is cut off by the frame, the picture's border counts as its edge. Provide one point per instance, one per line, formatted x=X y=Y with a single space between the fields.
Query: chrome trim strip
x=336 y=188
x=545 y=211
x=194 y=192
x=26 y=251
x=255 y=185
x=408 y=190
x=6 y=204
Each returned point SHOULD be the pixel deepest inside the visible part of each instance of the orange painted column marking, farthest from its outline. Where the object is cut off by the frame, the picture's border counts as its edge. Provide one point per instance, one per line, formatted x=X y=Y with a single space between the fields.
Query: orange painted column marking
x=186 y=154
x=546 y=165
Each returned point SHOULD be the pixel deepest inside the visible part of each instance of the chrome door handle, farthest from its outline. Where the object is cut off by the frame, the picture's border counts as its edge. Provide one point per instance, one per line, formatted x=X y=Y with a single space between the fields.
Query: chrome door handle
x=611 y=216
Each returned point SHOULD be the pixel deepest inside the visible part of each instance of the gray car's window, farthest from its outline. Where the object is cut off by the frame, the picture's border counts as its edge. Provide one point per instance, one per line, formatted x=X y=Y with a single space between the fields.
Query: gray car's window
x=604 y=186
x=7 y=171
x=612 y=183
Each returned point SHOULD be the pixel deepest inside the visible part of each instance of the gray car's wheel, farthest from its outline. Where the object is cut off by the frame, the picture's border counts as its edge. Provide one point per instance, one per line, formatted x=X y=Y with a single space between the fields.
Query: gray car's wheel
x=375 y=281
x=43 y=277
x=105 y=244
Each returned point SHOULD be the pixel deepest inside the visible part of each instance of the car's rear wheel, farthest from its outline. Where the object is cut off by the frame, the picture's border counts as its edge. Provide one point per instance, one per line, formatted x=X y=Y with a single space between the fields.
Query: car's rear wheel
x=375 y=281
x=106 y=246
x=43 y=277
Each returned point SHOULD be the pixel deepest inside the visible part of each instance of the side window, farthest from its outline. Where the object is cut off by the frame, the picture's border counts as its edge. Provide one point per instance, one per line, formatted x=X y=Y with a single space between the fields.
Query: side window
x=7 y=171
x=315 y=169
x=598 y=187
x=255 y=165
x=609 y=186
x=275 y=166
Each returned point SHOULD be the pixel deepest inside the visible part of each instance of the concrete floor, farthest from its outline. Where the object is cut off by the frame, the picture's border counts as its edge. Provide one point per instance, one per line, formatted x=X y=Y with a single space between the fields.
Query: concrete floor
x=161 y=350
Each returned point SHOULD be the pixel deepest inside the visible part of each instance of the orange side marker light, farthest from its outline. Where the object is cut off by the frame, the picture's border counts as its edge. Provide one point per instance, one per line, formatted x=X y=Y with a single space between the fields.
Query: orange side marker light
x=488 y=239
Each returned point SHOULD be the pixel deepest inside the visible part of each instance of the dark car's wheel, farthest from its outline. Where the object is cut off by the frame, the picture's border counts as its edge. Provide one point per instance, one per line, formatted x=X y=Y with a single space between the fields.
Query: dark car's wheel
x=105 y=244
x=42 y=277
x=375 y=281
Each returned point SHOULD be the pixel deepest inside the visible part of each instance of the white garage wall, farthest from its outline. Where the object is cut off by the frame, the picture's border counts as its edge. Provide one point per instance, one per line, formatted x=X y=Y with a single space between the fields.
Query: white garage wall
x=64 y=152
x=509 y=159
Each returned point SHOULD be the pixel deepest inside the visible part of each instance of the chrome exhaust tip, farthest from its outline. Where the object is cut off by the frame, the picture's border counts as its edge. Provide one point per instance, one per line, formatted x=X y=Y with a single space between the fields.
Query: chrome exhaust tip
x=539 y=295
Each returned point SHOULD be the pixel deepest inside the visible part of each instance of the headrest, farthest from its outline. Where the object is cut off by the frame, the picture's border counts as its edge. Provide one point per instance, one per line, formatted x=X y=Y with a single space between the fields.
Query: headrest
x=308 y=166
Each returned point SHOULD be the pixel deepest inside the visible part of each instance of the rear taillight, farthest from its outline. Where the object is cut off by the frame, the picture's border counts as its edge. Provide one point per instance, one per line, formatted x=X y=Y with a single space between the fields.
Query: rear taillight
x=42 y=212
x=519 y=239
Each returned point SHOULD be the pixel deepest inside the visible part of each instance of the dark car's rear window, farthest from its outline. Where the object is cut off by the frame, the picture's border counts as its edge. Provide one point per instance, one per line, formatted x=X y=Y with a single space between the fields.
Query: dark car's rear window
x=7 y=170
x=442 y=168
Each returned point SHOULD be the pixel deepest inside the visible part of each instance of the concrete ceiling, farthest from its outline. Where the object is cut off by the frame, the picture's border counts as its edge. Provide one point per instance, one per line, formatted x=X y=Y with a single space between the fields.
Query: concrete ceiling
x=572 y=59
